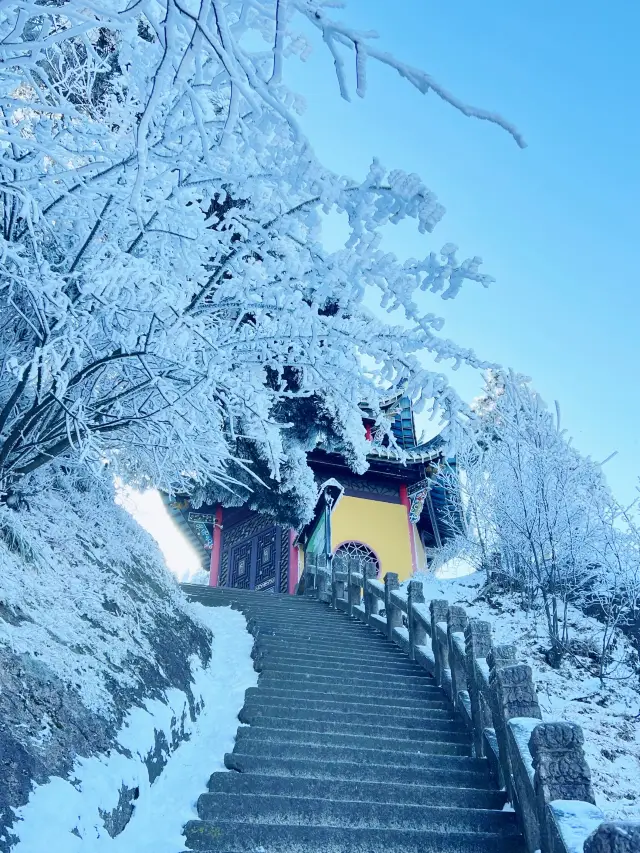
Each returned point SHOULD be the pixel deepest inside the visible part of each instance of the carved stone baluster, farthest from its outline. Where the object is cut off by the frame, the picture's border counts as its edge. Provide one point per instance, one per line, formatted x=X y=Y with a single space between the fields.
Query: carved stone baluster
x=337 y=586
x=394 y=615
x=456 y=623
x=417 y=633
x=355 y=569
x=561 y=770
x=614 y=837
x=477 y=641
x=310 y=576
x=319 y=583
x=515 y=696
x=369 y=572
x=438 y=608
x=503 y=657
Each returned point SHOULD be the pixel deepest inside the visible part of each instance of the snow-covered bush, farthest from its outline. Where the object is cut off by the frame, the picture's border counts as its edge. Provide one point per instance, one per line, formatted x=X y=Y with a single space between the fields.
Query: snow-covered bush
x=538 y=516
x=164 y=287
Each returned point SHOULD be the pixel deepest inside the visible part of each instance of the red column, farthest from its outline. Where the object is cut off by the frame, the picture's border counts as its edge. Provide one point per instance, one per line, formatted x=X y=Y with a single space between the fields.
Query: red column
x=293 y=563
x=215 y=551
x=404 y=498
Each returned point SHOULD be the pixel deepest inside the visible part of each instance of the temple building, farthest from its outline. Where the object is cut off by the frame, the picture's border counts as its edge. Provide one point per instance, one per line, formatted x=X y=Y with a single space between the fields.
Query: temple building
x=390 y=517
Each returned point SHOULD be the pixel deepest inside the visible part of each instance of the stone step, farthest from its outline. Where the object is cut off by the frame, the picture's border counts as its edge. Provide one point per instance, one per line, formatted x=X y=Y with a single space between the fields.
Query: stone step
x=321 y=621
x=312 y=609
x=333 y=688
x=311 y=675
x=328 y=638
x=436 y=742
x=380 y=726
x=373 y=714
x=318 y=651
x=299 y=620
x=445 y=773
x=305 y=635
x=367 y=668
x=332 y=700
x=223 y=837
x=433 y=755
x=306 y=629
x=274 y=605
x=368 y=636
x=350 y=748
x=383 y=654
x=274 y=809
x=369 y=792
x=378 y=663
x=326 y=619
x=245 y=599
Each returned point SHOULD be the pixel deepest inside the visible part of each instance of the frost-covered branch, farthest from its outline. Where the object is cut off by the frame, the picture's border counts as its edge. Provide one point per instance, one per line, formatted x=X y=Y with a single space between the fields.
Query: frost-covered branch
x=168 y=304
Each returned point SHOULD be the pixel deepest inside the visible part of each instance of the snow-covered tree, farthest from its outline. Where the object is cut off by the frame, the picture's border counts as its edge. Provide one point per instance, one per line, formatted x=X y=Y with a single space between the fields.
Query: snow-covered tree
x=613 y=596
x=535 y=509
x=164 y=288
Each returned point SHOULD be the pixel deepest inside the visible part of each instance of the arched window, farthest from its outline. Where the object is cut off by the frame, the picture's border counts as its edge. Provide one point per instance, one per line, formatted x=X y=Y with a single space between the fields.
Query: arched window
x=359 y=551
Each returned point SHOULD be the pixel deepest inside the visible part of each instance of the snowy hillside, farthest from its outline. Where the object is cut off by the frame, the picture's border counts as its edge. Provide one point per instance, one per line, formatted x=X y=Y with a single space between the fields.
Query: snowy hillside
x=165 y=804
x=609 y=713
x=91 y=625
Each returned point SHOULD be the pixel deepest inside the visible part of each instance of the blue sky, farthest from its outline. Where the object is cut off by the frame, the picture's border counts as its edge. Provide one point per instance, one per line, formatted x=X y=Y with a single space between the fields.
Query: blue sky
x=556 y=224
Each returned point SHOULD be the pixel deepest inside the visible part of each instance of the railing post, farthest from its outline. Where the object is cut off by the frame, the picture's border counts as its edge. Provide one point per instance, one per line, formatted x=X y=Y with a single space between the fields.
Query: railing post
x=310 y=570
x=456 y=623
x=499 y=657
x=417 y=633
x=394 y=616
x=337 y=586
x=321 y=574
x=477 y=641
x=369 y=573
x=561 y=771
x=514 y=696
x=438 y=608
x=353 y=588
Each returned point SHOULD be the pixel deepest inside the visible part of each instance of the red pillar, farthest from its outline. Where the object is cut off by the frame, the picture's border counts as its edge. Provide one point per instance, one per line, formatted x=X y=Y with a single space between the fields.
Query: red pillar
x=404 y=498
x=215 y=551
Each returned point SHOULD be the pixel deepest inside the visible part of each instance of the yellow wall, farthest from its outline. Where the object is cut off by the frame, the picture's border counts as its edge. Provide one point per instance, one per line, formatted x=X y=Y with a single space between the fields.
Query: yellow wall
x=382 y=526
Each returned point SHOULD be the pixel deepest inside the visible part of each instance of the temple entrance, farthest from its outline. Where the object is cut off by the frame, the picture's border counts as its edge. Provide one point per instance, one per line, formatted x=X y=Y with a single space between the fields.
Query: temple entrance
x=254 y=563
x=254 y=552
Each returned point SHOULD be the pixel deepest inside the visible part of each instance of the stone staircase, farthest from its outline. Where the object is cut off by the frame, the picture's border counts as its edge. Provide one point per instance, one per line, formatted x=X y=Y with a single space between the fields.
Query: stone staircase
x=347 y=747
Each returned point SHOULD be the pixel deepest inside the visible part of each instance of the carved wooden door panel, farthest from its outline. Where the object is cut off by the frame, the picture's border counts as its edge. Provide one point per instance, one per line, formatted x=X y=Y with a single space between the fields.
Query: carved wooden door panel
x=267 y=559
x=241 y=566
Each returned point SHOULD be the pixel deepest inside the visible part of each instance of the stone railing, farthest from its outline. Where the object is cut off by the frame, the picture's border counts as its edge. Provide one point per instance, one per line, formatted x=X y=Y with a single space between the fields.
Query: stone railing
x=540 y=764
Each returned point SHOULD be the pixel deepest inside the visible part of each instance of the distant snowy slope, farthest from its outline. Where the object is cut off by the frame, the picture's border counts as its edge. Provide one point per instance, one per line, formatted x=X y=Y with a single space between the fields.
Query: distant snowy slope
x=92 y=624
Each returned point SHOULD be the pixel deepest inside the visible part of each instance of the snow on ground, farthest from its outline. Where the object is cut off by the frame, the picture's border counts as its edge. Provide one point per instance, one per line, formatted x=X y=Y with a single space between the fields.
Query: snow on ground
x=61 y=808
x=609 y=714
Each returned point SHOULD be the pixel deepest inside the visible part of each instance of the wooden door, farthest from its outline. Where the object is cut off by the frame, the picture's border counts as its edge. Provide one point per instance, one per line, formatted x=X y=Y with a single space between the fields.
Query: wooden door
x=254 y=563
